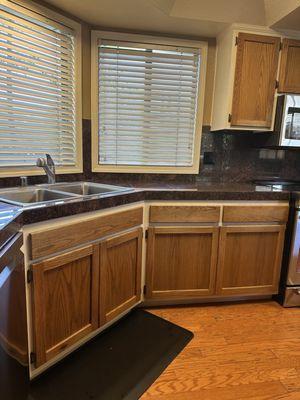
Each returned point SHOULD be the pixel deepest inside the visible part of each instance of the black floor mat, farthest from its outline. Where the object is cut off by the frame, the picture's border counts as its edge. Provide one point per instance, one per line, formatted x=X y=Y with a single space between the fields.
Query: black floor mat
x=121 y=363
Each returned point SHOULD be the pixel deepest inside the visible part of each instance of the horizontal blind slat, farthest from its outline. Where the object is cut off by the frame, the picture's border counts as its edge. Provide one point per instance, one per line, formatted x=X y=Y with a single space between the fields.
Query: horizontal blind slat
x=37 y=90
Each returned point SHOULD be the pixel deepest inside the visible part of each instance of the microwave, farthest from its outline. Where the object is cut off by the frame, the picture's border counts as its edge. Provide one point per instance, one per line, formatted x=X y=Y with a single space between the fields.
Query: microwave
x=287 y=121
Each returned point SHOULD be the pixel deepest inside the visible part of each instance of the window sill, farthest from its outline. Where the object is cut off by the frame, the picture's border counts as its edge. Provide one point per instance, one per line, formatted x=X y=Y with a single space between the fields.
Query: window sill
x=11 y=172
x=145 y=170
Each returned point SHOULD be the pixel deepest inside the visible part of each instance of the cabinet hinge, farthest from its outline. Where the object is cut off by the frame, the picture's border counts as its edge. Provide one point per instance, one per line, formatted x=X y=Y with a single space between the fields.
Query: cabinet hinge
x=236 y=40
x=32 y=357
x=146 y=234
x=144 y=289
x=229 y=117
x=280 y=46
x=29 y=276
x=276 y=84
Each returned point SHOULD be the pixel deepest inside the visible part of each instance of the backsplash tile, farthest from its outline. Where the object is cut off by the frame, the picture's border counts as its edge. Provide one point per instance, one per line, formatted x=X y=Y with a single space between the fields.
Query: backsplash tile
x=233 y=157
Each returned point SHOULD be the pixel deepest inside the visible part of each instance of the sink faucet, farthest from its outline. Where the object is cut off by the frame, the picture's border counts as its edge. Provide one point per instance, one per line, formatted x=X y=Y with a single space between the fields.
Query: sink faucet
x=49 y=167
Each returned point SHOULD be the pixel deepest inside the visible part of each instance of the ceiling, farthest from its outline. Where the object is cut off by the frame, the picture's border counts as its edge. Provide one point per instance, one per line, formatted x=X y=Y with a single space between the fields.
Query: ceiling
x=186 y=17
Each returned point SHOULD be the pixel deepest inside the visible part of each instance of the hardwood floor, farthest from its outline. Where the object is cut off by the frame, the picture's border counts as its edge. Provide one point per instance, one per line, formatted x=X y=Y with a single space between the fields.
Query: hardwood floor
x=239 y=351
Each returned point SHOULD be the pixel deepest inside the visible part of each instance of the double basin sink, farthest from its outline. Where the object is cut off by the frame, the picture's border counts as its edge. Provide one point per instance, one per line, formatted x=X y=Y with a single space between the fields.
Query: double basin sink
x=57 y=193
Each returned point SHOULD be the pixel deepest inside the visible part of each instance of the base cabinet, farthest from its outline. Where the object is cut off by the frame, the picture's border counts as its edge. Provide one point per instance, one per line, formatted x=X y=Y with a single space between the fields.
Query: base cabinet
x=249 y=259
x=65 y=300
x=120 y=274
x=206 y=252
x=181 y=262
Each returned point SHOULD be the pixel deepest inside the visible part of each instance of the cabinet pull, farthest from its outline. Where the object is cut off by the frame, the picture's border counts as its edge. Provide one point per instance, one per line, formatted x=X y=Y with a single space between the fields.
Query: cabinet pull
x=229 y=117
x=276 y=84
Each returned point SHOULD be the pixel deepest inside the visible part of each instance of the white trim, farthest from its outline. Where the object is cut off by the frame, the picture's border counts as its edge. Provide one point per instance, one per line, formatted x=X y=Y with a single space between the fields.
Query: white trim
x=203 y=46
x=53 y=18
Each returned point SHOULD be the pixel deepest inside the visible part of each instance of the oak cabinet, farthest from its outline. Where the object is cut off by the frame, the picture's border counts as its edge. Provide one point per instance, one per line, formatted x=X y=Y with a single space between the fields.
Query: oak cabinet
x=249 y=259
x=65 y=300
x=184 y=214
x=120 y=274
x=255 y=80
x=181 y=262
x=289 y=76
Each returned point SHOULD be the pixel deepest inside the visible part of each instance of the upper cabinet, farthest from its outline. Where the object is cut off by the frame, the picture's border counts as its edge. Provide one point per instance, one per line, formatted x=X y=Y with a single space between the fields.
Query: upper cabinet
x=254 y=80
x=289 y=75
x=247 y=77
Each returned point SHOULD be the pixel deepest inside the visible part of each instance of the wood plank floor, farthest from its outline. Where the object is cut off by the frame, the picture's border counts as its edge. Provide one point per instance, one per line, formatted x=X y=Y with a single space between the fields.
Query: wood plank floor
x=240 y=351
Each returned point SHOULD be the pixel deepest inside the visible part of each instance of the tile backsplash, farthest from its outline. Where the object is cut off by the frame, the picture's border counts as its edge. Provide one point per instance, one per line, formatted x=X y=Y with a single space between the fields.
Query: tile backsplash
x=240 y=157
x=225 y=157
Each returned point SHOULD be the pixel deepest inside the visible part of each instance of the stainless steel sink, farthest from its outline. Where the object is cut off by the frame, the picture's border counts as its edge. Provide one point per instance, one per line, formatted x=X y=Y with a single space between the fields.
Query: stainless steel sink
x=87 y=188
x=26 y=196
x=48 y=194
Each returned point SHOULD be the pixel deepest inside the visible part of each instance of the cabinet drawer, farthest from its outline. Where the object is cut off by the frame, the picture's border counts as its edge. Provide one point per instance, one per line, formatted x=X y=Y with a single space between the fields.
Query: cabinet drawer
x=44 y=243
x=262 y=213
x=184 y=214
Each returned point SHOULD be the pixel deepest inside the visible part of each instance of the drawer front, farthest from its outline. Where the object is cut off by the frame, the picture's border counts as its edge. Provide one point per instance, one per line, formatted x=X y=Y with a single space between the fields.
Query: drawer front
x=276 y=213
x=184 y=214
x=44 y=243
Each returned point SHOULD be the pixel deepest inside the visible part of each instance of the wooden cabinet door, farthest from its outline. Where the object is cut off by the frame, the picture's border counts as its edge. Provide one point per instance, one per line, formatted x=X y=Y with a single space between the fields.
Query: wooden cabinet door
x=289 y=75
x=120 y=274
x=65 y=300
x=255 y=80
x=181 y=262
x=250 y=259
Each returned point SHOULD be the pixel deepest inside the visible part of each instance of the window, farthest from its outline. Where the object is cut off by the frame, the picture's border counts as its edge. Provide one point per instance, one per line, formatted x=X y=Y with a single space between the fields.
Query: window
x=147 y=103
x=39 y=90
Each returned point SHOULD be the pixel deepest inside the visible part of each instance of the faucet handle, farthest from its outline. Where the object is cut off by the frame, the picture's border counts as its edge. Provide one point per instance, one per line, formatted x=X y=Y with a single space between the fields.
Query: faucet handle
x=40 y=162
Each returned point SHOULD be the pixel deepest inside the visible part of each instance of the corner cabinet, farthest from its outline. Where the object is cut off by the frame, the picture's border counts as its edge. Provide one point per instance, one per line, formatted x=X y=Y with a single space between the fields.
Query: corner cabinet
x=289 y=75
x=120 y=274
x=95 y=277
x=247 y=77
x=65 y=300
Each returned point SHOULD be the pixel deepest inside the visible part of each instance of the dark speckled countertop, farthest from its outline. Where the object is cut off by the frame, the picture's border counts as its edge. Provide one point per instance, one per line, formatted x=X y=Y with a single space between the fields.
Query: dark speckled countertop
x=14 y=216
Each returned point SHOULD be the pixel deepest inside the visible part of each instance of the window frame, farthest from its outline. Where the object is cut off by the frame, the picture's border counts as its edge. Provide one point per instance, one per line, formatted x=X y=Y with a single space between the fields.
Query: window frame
x=96 y=37
x=48 y=16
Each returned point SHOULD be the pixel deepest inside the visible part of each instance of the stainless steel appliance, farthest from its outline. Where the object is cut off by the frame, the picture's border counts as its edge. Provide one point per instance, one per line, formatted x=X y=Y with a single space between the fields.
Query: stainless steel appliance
x=289 y=294
x=292 y=289
x=287 y=122
x=14 y=374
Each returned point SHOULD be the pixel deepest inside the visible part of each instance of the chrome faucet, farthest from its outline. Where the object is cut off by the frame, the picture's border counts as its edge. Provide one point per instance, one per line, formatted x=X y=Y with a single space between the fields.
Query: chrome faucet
x=48 y=166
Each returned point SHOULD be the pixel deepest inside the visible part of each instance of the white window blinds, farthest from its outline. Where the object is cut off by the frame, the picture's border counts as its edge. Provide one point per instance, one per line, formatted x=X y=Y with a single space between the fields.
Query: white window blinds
x=147 y=104
x=37 y=90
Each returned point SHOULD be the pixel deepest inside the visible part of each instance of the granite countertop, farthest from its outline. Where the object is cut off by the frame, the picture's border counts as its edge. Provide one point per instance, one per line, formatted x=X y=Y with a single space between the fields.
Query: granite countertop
x=14 y=216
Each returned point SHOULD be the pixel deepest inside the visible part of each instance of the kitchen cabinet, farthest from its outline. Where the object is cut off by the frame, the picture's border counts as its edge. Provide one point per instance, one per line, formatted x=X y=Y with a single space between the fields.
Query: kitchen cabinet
x=181 y=262
x=255 y=80
x=245 y=79
x=120 y=274
x=65 y=296
x=289 y=75
x=249 y=259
